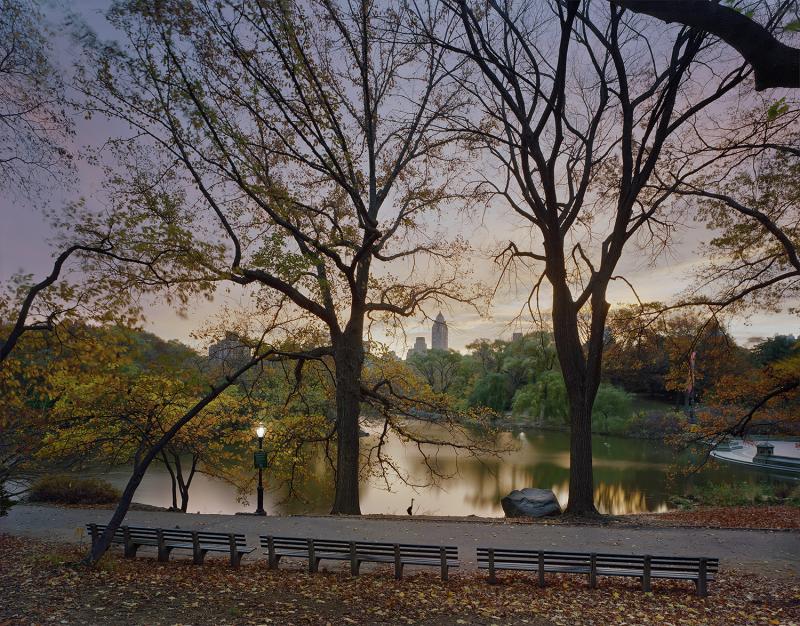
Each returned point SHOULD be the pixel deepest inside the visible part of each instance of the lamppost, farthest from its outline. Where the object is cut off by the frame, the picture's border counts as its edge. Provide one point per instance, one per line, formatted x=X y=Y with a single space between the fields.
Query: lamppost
x=260 y=459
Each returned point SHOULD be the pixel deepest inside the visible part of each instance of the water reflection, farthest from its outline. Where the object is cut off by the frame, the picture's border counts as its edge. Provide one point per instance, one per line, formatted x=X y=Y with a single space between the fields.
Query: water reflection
x=631 y=476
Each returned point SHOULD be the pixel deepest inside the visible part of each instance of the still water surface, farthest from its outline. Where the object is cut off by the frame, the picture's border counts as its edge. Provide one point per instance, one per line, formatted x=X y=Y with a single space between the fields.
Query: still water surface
x=631 y=476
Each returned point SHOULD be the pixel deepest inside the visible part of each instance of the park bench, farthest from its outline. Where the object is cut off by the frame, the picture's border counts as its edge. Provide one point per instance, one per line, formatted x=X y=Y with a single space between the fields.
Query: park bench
x=645 y=567
x=165 y=540
x=357 y=552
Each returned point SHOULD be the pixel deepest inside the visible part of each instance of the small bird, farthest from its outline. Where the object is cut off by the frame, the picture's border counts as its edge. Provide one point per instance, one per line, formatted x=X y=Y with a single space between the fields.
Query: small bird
x=409 y=509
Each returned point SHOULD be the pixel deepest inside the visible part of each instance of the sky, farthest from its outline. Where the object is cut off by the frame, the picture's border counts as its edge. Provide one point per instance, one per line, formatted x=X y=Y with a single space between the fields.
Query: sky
x=25 y=232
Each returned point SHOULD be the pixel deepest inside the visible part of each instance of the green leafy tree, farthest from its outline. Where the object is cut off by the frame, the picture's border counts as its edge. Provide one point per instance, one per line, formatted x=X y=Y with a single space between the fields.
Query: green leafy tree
x=111 y=412
x=612 y=407
x=491 y=390
x=441 y=369
x=775 y=348
x=546 y=399
x=272 y=152
x=525 y=359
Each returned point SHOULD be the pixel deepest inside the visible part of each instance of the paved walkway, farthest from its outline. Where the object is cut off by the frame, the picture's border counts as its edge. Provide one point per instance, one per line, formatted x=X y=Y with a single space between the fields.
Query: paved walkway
x=772 y=553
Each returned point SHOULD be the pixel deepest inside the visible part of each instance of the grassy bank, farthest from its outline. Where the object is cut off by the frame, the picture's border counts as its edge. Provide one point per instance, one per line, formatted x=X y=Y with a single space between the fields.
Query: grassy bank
x=739 y=494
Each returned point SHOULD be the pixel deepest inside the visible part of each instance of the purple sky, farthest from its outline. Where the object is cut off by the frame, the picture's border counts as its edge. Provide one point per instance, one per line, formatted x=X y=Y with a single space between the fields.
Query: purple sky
x=24 y=246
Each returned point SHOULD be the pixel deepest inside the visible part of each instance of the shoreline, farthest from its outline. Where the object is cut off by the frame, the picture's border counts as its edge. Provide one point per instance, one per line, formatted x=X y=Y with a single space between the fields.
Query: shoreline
x=670 y=519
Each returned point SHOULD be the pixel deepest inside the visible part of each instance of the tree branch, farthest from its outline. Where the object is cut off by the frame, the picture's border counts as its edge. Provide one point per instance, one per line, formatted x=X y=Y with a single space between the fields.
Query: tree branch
x=774 y=63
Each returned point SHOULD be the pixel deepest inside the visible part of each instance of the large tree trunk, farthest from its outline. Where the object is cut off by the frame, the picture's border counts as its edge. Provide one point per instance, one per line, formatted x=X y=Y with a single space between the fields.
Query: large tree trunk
x=349 y=359
x=581 y=474
x=99 y=548
x=580 y=393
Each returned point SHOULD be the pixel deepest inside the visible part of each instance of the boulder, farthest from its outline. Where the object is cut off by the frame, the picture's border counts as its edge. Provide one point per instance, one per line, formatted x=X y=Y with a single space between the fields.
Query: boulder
x=531 y=502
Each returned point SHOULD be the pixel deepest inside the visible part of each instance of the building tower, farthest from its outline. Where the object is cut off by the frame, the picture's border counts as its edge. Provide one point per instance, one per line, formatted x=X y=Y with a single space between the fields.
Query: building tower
x=439 y=333
x=230 y=353
x=419 y=348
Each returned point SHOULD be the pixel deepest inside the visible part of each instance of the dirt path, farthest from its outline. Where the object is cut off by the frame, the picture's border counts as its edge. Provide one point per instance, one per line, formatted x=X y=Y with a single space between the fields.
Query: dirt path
x=769 y=553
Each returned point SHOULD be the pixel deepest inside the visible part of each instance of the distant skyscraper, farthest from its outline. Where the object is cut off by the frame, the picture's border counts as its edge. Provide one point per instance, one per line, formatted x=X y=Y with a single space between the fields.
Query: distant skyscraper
x=439 y=333
x=230 y=353
x=420 y=347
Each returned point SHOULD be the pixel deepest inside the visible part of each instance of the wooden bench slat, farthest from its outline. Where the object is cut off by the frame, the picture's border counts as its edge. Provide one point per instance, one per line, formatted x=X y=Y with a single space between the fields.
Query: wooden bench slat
x=168 y=539
x=698 y=569
x=357 y=552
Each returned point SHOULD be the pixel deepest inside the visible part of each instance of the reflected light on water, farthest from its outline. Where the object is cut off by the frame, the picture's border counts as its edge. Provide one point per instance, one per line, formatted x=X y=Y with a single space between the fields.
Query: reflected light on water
x=631 y=476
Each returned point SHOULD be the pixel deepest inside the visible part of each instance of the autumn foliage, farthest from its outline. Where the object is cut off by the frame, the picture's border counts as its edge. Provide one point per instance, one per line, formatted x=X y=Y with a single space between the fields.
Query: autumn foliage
x=41 y=585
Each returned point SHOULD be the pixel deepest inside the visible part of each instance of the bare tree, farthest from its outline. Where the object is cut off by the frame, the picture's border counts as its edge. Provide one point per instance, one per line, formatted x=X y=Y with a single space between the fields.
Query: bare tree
x=774 y=63
x=35 y=121
x=584 y=105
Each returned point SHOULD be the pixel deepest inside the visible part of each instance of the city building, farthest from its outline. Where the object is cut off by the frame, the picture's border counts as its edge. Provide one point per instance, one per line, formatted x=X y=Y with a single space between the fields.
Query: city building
x=420 y=347
x=230 y=352
x=439 y=333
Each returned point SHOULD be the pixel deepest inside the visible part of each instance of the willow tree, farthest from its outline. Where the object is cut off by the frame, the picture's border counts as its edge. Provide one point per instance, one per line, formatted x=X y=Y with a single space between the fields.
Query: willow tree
x=297 y=147
x=585 y=104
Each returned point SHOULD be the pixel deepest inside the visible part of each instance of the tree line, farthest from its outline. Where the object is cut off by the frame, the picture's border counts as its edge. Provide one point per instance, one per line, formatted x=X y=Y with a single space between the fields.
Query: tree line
x=521 y=377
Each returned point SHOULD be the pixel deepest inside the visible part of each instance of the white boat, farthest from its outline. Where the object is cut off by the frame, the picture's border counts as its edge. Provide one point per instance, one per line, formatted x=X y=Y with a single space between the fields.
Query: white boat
x=774 y=455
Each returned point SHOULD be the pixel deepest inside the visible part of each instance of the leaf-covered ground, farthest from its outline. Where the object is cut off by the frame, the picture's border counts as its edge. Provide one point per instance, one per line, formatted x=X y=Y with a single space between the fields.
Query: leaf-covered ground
x=774 y=517
x=39 y=585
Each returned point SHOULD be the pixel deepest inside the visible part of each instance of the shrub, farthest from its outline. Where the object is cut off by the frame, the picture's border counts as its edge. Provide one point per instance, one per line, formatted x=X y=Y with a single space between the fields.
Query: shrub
x=72 y=490
x=654 y=424
x=745 y=494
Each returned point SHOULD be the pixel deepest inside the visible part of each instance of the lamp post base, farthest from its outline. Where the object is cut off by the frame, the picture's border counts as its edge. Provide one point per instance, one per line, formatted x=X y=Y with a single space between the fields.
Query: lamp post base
x=260 y=508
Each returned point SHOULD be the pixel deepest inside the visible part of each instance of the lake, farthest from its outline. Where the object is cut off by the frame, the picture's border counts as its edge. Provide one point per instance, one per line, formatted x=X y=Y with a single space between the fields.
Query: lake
x=631 y=476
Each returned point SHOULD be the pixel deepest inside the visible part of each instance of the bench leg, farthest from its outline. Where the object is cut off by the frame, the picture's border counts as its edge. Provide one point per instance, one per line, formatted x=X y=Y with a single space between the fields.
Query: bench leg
x=398 y=565
x=313 y=561
x=128 y=547
x=94 y=534
x=272 y=561
x=199 y=557
x=702 y=589
x=163 y=554
x=234 y=552
x=540 y=568
x=492 y=577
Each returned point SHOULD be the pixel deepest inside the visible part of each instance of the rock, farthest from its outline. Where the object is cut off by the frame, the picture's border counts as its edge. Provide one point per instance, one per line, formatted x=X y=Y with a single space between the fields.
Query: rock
x=531 y=503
